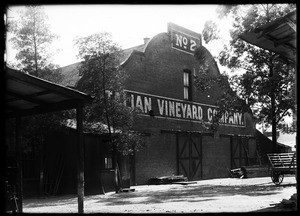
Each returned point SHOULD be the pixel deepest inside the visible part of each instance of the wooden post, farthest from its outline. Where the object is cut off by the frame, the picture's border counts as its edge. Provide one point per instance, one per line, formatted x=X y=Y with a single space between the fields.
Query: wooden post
x=114 y=160
x=80 y=156
x=190 y=156
x=296 y=138
x=177 y=152
x=41 y=183
x=201 y=168
x=19 y=186
x=273 y=108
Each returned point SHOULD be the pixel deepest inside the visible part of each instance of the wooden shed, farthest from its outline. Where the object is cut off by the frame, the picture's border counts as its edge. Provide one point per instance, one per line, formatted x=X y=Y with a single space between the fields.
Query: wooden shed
x=29 y=95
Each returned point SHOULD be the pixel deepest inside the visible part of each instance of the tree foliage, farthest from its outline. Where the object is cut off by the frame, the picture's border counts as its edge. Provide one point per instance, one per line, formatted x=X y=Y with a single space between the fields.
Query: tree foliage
x=31 y=37
x=252 y=80
x=210 y=31
x=102 y=77
x=206 y=80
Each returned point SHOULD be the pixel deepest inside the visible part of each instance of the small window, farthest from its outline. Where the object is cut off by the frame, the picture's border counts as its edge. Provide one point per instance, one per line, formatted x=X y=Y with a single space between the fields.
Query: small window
x=187 y=88
x=108 y=162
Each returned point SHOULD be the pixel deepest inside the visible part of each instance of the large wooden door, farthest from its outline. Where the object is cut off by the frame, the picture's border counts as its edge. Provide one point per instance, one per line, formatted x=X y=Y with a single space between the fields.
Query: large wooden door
x=239 y=152
x=189 y=155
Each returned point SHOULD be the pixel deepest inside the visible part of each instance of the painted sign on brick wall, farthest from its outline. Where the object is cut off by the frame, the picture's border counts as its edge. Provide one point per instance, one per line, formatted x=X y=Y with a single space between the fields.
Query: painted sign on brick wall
x=183 y=39
x=163 y=107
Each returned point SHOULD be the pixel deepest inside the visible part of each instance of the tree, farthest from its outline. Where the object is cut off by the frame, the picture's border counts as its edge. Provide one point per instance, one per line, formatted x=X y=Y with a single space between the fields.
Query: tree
x=206 y=80
x=267 y=83
x=32 y=39
x=102 y=77
x=210 y=31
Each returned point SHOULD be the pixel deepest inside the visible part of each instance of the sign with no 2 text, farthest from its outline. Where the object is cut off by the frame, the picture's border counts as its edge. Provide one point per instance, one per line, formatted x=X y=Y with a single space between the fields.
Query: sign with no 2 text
x=183 y=39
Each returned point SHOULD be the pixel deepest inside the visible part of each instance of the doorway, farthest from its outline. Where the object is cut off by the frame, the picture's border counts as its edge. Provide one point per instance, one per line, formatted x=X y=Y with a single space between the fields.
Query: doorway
x=189 y=150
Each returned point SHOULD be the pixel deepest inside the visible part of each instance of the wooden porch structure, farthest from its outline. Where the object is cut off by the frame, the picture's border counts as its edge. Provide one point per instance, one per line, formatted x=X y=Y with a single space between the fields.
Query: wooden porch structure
x=28 y=95
x=279 y=37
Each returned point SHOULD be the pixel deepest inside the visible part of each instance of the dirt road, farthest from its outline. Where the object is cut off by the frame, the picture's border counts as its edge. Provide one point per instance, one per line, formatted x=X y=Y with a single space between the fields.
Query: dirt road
x=216 y=195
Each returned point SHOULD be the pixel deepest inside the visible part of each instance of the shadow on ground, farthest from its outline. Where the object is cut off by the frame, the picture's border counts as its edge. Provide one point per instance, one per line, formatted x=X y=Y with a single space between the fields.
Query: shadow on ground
x=190 y=193
x=52 y=201
x=195 y=193
x=276 y=209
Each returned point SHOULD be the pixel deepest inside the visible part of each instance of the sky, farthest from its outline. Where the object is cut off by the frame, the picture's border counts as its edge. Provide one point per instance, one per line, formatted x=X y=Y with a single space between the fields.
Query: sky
x=128 y=24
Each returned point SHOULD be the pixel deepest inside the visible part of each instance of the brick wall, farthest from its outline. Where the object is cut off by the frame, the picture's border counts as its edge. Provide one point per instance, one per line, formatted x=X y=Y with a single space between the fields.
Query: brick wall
x=159 y=71
x=157 y=159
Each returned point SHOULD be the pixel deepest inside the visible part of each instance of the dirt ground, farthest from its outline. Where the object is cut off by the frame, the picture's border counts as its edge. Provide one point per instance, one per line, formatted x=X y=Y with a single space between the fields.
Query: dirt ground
x=215 y=195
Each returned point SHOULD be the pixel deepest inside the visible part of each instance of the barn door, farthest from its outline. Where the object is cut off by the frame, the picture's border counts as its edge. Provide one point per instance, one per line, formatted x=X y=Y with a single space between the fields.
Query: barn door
x=189 y=156
x=239 y=152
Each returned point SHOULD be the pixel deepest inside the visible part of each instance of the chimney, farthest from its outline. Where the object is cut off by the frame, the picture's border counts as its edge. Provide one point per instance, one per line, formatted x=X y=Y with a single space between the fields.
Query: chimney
x=146 y=40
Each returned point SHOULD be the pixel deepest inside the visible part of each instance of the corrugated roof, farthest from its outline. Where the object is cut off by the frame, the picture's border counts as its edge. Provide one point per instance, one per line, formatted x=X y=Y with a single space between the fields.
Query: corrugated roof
x=27 y=95
x=278 y=36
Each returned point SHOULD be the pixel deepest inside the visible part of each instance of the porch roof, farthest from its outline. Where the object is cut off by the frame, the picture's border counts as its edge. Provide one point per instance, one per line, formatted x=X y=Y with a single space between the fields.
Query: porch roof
x=29 y=95
x=278 y=36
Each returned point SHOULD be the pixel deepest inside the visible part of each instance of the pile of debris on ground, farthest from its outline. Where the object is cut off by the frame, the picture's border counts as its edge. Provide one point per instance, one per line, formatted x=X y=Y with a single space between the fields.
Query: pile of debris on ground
x=288 y=204
x=167 y=179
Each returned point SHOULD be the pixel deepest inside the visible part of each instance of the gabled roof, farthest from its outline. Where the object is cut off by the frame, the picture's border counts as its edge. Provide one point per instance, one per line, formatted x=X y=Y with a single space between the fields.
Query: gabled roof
x=28 y=95
x=127 y=52
x=288 y=139
x=267 y=139
x=278 y=36
x=71 y=72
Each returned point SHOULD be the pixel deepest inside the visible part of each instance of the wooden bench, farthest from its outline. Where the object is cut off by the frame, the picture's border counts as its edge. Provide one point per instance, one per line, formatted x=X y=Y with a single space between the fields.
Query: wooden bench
x=282 y=163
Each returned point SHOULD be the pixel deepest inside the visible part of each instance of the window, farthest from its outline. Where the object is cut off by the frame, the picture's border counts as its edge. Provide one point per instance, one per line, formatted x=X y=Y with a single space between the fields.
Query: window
x=187 y=90
x=108 y=162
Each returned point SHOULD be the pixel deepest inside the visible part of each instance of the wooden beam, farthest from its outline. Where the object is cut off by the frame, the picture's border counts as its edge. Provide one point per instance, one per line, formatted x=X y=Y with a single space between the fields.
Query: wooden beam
x=35 y=81
x=64 y=105
x=26 y=98
x=41 y=93
x=80 y=156
x=291 y=24
x=14 y=98
x=187 y=132
x=261 y=31
x=284 y=40
x=19 y=186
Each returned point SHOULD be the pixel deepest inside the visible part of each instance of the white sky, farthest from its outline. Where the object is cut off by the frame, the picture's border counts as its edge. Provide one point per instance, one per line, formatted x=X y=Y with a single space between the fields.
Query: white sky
x=128 y=24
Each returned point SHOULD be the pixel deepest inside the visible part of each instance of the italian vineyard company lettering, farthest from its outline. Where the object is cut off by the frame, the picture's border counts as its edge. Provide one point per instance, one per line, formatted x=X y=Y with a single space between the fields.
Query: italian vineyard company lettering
x=179 y=109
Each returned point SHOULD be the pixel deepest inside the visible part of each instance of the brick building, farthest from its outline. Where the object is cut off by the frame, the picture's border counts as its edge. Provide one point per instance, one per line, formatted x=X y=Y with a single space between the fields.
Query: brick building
x=160 y=80
x=172 y=117
x=173 y=110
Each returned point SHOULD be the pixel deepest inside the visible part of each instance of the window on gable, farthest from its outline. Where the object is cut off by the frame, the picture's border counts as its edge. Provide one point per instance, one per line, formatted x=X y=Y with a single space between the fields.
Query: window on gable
x=187 y=87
